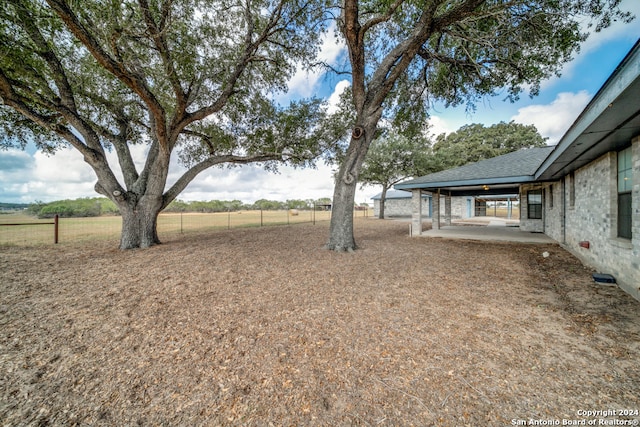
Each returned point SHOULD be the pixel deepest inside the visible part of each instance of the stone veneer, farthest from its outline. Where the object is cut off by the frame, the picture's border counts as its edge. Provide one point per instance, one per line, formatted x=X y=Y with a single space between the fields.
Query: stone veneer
x=403 y=207
x=585 y=210
x=400 y=207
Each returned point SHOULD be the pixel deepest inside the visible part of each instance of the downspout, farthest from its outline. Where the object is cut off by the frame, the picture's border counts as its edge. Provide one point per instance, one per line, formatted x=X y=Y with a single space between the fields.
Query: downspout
x=564 y=210
x=544 y=210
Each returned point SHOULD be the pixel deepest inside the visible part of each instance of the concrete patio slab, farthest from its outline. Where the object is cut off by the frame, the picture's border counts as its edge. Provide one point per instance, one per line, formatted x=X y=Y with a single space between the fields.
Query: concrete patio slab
x=487 y=228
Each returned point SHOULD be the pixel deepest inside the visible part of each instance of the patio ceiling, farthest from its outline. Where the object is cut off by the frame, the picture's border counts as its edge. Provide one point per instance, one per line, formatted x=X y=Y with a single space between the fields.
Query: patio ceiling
x=485 y=190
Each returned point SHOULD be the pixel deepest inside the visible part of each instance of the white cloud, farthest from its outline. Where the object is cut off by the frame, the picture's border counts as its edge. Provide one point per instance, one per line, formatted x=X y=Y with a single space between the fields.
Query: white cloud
x=334 y=98
x=304 y=83
x=60 y=176
x=12 y=163
x=438 y=125
x=616 y=31
x=66 y=165
x=63 y=175
x=250 y=183
x=15 y=173
x=25 y=178
x=553 y=120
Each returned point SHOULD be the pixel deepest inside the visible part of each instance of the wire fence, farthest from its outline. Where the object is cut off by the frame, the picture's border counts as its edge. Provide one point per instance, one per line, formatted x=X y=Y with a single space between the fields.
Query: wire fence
x=18 y=228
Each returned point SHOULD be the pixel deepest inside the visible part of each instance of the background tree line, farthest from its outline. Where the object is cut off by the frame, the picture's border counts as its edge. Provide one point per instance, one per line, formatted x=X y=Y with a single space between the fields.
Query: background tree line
x=97 y=206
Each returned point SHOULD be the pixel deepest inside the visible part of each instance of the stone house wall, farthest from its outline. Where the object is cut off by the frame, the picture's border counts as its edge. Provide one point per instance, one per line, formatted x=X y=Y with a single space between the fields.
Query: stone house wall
x=553 y=208
x=585 y=210
x=401 y=207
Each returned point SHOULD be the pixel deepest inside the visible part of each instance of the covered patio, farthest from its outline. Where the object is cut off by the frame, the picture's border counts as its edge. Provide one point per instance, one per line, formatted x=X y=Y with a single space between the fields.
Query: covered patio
x=499 y=177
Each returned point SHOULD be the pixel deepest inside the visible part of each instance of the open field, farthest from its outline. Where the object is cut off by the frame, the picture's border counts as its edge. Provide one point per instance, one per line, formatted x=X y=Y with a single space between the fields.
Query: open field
x=261 y=326
x=109 y=227
x=502 y=212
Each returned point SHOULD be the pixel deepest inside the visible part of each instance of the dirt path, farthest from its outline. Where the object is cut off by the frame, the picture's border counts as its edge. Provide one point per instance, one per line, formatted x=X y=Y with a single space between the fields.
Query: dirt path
x=264 y=327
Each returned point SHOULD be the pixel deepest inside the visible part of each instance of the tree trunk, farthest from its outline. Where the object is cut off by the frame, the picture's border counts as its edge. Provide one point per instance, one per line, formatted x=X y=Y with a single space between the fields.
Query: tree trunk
x=383 y=200
x=341 y=228
x=139 y=225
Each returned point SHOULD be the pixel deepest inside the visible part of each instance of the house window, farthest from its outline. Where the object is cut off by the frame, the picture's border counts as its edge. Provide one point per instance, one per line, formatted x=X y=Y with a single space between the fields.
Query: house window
x=534 y=204
x=624 y=193
x=551 y=195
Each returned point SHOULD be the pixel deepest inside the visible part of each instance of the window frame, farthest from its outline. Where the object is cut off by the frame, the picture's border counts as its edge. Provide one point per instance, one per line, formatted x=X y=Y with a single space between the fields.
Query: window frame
x=624 y=184
x=535 y=206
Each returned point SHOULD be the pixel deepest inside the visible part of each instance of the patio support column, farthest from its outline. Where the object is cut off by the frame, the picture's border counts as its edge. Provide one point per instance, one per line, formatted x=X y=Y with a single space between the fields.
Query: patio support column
x=416 y=212
x=447 y=209
x=435 y=220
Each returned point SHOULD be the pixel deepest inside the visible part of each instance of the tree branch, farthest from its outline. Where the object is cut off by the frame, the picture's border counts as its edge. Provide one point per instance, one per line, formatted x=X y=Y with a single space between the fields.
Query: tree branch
x=47 y=54
x=399 y=59
x=350 y=27
x=459 y=13
x=20 y=104
x=123 y=152
x=380 y=19
x=251 y=46
x=158 y=33
x=131 y=79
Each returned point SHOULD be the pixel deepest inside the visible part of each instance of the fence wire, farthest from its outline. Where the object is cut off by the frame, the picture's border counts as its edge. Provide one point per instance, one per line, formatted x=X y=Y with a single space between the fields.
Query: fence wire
x=74 y=230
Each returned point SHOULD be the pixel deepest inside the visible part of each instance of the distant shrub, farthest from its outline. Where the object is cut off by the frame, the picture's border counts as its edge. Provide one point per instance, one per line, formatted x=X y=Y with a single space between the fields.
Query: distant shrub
x=86 y=207
x=205 y=207
x=34 y=208
x=107 y=206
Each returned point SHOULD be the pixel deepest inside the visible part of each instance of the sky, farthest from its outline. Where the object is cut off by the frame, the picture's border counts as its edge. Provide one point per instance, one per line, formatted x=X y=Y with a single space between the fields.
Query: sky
x=28 y=176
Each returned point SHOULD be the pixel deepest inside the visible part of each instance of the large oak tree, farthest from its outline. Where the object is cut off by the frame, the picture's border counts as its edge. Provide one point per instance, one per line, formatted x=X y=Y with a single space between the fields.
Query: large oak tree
x=475 y=142
x=405 y=54
x=188 y=78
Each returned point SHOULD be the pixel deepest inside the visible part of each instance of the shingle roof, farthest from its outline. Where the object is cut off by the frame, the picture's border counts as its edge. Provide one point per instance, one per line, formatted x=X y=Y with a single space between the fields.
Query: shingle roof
x=518 y=166
x=396 y=194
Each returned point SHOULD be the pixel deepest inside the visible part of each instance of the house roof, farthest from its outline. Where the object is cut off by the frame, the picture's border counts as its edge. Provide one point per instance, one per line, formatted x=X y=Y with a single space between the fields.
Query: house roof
x=501 y=174
x=395 y=194
x=608 y=122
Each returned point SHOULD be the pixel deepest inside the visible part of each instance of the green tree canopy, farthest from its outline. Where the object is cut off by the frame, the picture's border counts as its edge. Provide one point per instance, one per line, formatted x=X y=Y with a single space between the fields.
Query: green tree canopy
x=475 y=142
x=83 y=207
x=268 y=205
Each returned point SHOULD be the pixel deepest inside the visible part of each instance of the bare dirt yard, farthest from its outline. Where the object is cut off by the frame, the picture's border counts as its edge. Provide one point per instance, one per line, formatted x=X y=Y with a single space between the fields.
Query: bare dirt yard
x=265 y=327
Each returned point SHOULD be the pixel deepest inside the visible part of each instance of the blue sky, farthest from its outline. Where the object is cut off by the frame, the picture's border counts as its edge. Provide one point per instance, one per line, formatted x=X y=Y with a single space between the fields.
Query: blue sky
x=27 y=176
